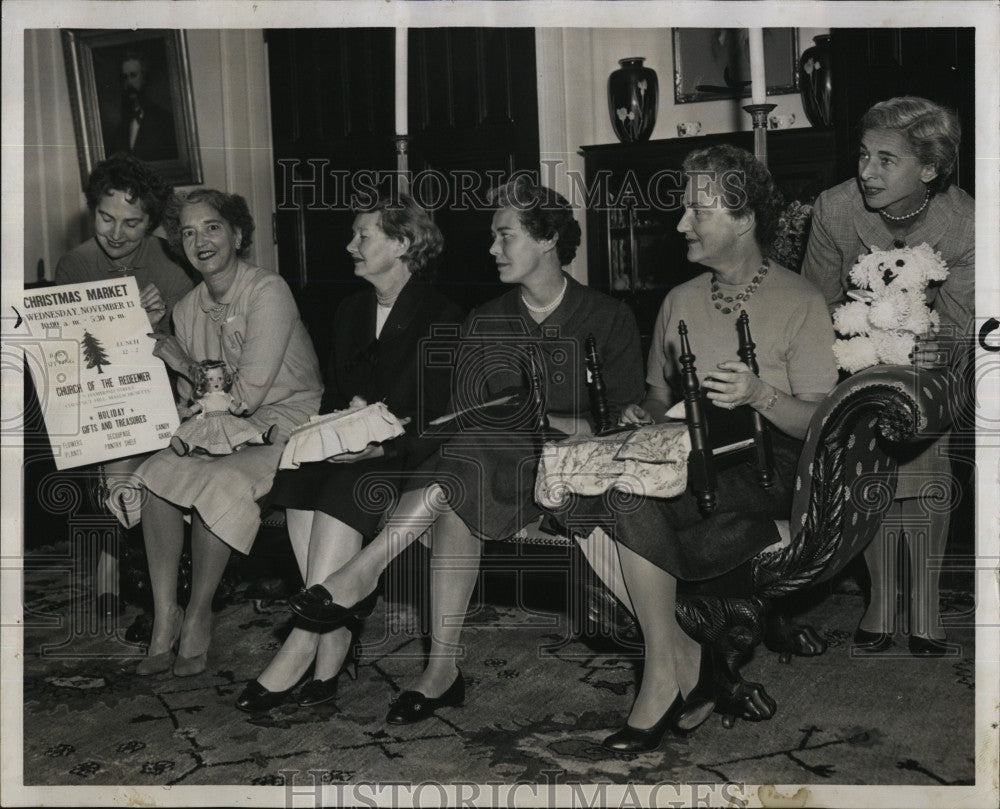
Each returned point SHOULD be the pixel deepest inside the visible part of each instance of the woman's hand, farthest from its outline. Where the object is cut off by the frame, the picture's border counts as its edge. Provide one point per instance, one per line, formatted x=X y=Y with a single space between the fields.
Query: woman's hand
x=734 y=384
x=169 y=349
x=371 y=451
x=930 y=353
x=635 y=414
x=151 y=300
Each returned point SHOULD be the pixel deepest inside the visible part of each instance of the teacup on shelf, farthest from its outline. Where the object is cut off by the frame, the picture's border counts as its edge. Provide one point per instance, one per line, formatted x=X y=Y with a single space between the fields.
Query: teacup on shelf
x=781 y=121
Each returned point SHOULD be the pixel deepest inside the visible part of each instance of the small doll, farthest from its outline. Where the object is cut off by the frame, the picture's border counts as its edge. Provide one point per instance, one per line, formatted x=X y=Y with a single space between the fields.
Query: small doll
x=213 y=425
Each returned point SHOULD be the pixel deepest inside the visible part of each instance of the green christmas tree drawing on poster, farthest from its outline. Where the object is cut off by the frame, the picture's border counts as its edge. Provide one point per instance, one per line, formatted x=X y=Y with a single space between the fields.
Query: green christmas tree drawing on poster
x=93 y=352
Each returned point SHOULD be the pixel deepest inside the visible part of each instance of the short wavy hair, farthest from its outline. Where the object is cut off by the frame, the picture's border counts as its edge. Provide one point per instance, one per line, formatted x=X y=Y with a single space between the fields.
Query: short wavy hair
x=135 y=179
x=231 y=207
x=399 y=217
x=544 y=213
x=933 y=132
x=745 y=186
x=201 y=376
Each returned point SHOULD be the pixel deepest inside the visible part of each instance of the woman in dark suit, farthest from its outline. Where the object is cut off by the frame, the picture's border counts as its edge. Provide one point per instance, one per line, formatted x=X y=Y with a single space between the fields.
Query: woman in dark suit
x=376 y=356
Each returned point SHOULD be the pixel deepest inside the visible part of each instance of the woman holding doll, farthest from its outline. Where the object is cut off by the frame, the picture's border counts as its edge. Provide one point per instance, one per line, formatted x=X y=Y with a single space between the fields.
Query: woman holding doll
x=244 y=316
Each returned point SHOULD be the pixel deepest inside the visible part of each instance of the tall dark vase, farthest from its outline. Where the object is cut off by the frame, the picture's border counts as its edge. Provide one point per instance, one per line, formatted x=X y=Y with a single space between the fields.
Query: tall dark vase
x=816 y=82
x=632 y=95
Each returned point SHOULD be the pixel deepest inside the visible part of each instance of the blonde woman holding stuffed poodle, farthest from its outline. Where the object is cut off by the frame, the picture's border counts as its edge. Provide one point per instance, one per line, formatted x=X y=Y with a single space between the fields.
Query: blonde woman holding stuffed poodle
x=903 y=197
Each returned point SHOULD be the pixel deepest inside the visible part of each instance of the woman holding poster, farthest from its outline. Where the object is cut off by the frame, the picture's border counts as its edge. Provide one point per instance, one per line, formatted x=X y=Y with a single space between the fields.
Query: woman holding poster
x=126 y=198
x=246 y=317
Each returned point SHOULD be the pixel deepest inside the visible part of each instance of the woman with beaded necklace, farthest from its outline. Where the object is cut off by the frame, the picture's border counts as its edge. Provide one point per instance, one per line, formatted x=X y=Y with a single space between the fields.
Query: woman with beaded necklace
x=731 y=217
x=903 y=195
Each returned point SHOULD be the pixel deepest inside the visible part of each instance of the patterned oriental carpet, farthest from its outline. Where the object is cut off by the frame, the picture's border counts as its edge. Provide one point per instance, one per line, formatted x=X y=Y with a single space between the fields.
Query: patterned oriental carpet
x=539 y=701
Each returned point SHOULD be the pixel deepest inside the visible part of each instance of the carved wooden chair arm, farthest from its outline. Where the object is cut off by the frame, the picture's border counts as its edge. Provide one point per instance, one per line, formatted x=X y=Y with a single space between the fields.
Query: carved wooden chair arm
x=847 y=471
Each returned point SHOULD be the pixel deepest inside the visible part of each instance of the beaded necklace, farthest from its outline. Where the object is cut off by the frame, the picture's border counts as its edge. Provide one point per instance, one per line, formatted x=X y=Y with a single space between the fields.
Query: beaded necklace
x=736 y=303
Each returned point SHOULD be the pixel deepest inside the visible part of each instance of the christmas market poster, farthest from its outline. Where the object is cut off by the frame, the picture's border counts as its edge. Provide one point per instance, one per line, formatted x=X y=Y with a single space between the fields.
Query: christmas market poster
x=103 y=393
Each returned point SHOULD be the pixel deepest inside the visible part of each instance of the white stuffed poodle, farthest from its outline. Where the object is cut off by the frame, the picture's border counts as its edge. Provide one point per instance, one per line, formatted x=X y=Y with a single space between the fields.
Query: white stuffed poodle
x=889 y=307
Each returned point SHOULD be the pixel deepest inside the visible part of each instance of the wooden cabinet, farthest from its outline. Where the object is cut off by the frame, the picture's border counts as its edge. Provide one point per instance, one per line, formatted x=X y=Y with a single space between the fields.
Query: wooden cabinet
x=635 y=201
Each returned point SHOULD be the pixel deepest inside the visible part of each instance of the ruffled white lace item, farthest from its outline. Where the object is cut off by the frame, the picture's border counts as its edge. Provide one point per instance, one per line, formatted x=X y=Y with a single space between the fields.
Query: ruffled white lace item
x=349 y=430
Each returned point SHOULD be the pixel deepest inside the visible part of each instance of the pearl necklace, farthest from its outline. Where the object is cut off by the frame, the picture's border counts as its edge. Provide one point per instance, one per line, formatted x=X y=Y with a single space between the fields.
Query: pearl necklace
x=541 y=310
x=737 y=302
x=887 y=215
x=216 y=312
x=386 y=301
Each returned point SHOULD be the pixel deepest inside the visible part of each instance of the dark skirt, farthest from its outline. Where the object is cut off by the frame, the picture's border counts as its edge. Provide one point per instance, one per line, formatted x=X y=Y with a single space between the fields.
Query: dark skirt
x=671 y=532
x=358 y=494
x=488 y=479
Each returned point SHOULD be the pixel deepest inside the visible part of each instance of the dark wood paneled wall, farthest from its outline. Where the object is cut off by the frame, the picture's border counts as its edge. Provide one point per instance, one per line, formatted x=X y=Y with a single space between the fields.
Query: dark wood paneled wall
x=331 y=110
x=874 y=64
x=472 y=108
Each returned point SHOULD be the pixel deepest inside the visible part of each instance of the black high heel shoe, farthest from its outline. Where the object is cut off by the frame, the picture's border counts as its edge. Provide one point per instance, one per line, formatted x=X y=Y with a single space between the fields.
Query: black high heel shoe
x=700 y=701
x=412 y=706
x=868 y=643
x=316 y=692
x=317 y=605
x=634 y=740
x=255 y=698
x=927 y=647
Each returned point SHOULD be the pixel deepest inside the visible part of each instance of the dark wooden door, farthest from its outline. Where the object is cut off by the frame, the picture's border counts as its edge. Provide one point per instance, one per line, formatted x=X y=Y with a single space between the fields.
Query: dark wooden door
x=878 y=63
x=473 y=117
x=472 y=113
x=331 y=117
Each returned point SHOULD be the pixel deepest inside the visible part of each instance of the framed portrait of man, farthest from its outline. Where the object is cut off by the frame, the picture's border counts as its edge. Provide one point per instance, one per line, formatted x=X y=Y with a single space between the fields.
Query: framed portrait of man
x=130 y=91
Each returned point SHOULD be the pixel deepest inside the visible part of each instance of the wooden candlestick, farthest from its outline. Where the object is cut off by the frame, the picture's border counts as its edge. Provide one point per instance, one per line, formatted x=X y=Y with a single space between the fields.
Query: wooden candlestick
x=595 y=385
x=701 y=466
x=763 y=453
x=759 y=113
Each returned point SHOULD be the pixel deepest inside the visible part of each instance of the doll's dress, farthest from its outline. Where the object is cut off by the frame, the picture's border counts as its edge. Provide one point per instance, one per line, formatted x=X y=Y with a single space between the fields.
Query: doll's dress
x=216 y=431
